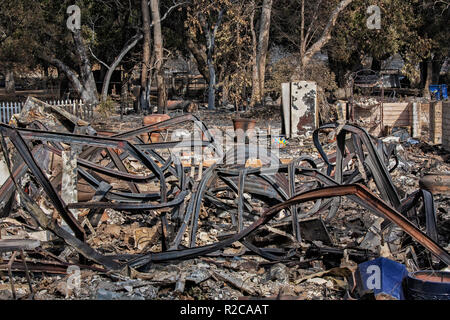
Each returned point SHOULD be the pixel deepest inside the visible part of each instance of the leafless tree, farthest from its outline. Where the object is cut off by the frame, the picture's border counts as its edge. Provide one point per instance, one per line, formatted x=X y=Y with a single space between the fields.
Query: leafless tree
x=130 y=45
x=159 y=56
x=263 y=44
x=84 y=83
x=306 y=51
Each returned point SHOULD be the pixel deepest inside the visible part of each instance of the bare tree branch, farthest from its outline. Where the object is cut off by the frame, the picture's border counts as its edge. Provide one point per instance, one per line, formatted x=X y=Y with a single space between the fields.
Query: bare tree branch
x=326 y=35
x=168 y=11
x=445 y=3
x=71 y=75
x=308 y=35
x=131 y=44
x=95 y=57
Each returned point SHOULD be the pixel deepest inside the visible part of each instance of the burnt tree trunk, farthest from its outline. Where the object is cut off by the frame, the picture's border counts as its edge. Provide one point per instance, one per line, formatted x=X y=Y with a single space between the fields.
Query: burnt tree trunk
x=84 y=82
x=428 y=68
x=430 y=71
x=436 y=70
x=255 y=77
x=116 y=63
x=199 y=56
x=144 y=96
x=159 y=56
x=302 y=41
x=10 y=85
x=210 y=40
x=89 y=88
x=263 y=44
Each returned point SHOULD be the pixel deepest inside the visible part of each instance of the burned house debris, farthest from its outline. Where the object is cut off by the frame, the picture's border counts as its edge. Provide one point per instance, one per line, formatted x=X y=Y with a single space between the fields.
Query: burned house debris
x=162 y=222
x=224 y=150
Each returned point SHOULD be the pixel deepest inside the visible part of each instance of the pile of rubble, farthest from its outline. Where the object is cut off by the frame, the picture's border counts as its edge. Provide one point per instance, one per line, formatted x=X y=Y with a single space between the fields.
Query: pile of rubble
x=94 y=214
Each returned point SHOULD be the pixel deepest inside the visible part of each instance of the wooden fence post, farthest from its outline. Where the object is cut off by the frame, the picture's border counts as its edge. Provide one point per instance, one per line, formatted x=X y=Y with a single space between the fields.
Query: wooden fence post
x=436 y=122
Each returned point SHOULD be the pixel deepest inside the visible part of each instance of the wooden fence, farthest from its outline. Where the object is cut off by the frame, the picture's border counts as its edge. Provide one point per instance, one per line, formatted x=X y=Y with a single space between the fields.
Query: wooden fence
x=75 y=107
x=446 y=125
x=7 y=109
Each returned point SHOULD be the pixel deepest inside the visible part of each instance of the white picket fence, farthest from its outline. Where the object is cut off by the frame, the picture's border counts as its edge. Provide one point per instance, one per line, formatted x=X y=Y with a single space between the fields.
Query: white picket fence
x=75 y=107
x=7 y=109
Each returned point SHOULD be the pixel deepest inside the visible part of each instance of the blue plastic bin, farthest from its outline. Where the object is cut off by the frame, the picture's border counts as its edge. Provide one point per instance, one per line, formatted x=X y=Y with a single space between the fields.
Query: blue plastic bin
x=382 y=277
x=439 y=90
x=436 y=90
x=444 y=91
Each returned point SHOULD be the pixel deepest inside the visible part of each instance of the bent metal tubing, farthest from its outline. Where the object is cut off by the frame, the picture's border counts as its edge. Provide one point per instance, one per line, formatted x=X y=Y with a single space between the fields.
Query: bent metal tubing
x=103 y=142
x=380 y=173
x=376 y=205
x=17 y=138
x=355 y=192
x=28 y=157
